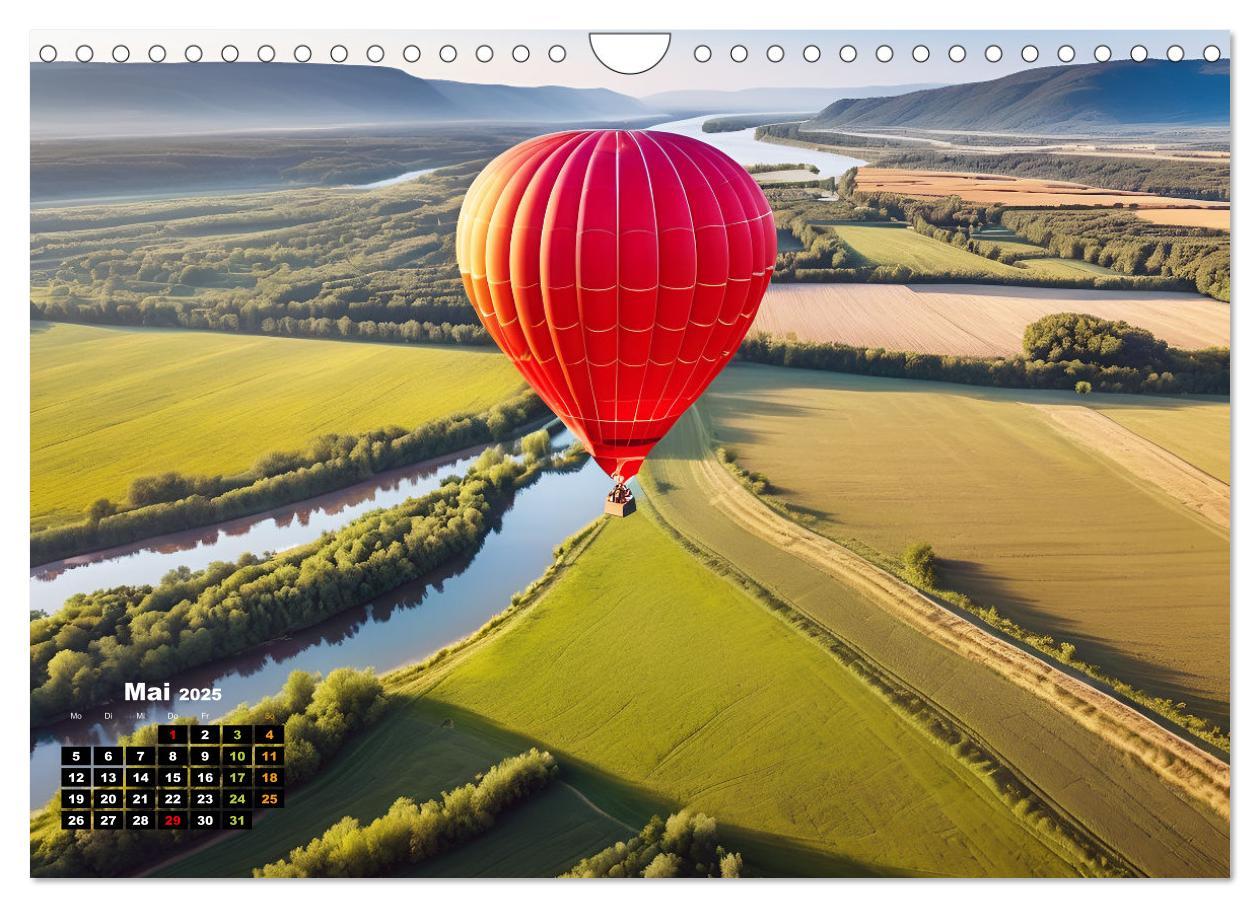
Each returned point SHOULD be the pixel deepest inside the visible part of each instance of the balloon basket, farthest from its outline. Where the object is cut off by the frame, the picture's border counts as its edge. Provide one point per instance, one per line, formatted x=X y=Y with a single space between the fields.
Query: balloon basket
x=619 y=502
x=619 y=508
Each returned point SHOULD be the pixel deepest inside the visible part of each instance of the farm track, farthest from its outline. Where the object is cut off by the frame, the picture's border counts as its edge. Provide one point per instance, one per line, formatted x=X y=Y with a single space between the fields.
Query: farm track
x=1157 y=799
x=1199 y=491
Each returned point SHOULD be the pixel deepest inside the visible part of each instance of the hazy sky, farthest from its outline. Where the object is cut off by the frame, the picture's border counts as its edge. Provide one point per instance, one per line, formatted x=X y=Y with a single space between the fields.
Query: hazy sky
x=679 y=68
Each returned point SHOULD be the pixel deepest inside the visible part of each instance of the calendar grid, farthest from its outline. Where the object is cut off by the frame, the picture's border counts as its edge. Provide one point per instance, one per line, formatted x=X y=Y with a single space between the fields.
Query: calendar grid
x=200 y=777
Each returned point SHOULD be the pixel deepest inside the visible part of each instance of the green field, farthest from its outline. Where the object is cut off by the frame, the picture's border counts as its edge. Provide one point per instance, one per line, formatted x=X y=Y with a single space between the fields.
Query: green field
x=111 y=404
x=410 y=753
x=895 y=244
x=667 y=684
x=1055 y=537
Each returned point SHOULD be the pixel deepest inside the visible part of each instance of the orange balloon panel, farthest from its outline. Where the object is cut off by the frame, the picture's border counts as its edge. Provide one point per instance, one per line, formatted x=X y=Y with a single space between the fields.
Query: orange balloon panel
x=619 y=270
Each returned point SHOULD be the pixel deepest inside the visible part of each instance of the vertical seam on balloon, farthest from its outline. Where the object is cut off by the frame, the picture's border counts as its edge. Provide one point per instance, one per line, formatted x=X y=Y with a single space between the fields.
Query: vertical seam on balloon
x=545 y=386
x=616 y=399
x=656 y=305
x=656 y=413
x=593 y=419
x=580 y=417
x=726 y=233
x=708 y=373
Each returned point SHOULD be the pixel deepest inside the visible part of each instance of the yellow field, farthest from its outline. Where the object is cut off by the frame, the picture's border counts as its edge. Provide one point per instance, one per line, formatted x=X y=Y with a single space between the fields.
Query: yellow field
x=1056 y=536
x=974 y=319
x=112 y=404
x=990 y=189
x=1216 y=218
x=1196 y=431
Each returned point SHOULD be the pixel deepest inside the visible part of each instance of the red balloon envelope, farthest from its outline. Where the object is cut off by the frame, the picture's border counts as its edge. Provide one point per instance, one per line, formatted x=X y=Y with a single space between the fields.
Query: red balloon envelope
x=619 y=270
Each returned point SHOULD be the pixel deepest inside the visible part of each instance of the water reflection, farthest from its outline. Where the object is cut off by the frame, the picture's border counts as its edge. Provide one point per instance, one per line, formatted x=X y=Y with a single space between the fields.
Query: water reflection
x=270 y=531
x=402 y=627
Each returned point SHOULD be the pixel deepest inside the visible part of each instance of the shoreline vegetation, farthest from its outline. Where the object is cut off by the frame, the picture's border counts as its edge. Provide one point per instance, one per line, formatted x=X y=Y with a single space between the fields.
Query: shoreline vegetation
x=171 y=502
x=82 y=653
x=319 y=716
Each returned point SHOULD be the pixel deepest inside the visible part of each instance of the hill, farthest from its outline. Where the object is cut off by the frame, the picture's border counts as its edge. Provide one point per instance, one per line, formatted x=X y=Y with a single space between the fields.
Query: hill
x=760 y=100
x=1056 y=98
x=98 y=99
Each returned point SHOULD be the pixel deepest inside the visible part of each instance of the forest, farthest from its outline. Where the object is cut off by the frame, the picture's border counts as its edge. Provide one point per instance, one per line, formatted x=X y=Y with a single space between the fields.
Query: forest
x=376 y=265
x=319 y=717
x=1118 y=240
x=81 y=655
x=170 y=502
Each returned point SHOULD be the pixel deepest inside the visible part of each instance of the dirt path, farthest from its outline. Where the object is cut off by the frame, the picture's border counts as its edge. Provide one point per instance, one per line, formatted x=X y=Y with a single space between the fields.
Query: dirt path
x=599 y=810
x=1197 y=490
x=1178 y=763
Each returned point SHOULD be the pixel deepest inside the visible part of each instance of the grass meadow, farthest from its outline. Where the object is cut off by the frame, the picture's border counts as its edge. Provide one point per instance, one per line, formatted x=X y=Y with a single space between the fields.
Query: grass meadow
x=641 y=665
x=1056 y=537
x=896 y=244
x=412 y=752
x=109 y=405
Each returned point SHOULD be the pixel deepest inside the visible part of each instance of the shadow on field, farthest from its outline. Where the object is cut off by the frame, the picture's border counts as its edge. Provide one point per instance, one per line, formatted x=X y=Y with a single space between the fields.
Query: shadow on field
x=764 y=854
x=988 y=587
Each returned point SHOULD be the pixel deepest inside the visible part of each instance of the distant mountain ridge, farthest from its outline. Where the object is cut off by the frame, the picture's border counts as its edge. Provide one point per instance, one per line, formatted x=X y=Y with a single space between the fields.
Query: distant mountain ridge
x=1119 y=93
x=85 y=99
x=763 y=100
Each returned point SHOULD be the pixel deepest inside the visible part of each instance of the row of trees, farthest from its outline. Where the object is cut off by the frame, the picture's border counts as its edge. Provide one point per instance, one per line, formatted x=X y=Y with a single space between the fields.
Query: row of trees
x=685 y=845
x=319 y=717
x=1130 y=245
x=165 y=315
x=409 y=833
x=84 y=652
x=1180 y=372
x=171 y=502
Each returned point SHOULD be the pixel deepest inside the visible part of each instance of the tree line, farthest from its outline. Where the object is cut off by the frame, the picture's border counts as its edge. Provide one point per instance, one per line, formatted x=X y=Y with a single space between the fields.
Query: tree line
x=171 y=502
x=319 y=717
x=1123 y=242
x=685 y=845
x=84 y=652
x=409 y=833
x=1172 y=371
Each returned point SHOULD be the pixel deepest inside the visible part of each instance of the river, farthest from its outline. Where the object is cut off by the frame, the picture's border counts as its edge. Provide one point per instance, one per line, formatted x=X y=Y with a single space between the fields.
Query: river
x=397 y=629
x=744 y=148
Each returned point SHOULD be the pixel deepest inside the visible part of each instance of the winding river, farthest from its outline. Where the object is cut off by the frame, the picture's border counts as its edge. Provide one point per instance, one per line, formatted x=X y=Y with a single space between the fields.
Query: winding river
x=403 y=627
x=743 y=147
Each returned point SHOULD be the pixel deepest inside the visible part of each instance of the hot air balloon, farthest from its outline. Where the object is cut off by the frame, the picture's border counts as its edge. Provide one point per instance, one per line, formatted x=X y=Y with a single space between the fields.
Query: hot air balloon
x=618 y=270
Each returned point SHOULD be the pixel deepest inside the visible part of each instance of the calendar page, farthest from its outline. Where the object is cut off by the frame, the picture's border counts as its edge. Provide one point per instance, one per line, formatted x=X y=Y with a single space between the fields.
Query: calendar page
x=701 y=453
